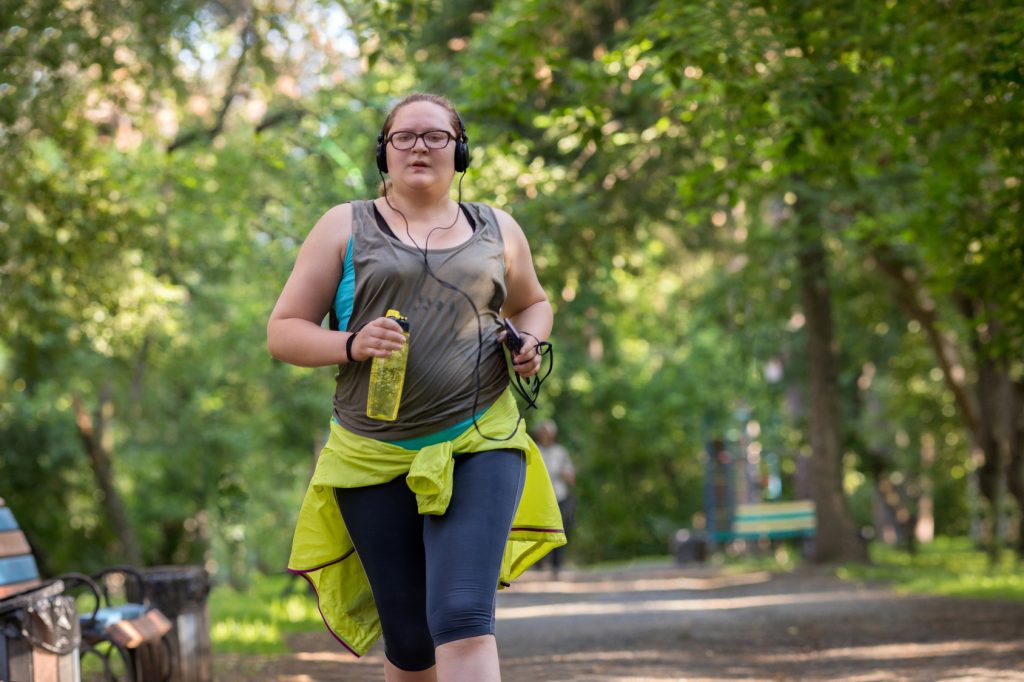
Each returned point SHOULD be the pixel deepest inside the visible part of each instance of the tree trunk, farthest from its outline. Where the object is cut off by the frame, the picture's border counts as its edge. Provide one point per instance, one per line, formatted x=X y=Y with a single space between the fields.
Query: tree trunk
x=992 y=466
x=995 y=397
x=94 y=430
x=991 y=415
x=924 y=529
x=917 y=303
x=1015 y=472
x=836 y=539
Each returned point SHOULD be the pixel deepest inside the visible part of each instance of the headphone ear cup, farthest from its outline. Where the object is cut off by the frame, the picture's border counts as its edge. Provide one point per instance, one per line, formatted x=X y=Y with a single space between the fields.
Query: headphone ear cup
x=461 y=154
x=382 y=154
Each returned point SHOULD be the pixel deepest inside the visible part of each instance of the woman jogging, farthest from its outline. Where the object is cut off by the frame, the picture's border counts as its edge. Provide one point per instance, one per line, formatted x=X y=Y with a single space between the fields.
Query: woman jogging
x=409 y=526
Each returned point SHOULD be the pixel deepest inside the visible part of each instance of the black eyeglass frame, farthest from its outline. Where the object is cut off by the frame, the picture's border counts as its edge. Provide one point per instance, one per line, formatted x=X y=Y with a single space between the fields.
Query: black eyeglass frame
x=449 y=137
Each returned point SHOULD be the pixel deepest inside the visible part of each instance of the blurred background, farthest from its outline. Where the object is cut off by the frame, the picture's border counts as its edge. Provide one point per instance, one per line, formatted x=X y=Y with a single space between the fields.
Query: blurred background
x=783 y=240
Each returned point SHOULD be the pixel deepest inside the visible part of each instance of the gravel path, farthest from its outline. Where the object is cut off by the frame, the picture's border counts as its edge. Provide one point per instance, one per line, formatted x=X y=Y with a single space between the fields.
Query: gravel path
x=674 y=624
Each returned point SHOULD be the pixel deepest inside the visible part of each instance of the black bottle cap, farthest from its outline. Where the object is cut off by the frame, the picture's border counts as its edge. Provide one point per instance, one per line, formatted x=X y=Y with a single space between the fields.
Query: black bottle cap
x=403 y=322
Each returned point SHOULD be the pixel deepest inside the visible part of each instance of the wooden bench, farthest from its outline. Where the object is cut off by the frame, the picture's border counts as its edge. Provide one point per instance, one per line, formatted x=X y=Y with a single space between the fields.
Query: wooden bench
x=134 y=630
x=29 y=650
x=773 y=520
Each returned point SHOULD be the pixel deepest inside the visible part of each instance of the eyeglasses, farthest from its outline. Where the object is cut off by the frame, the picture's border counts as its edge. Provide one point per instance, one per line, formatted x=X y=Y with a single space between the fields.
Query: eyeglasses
x=434 y=139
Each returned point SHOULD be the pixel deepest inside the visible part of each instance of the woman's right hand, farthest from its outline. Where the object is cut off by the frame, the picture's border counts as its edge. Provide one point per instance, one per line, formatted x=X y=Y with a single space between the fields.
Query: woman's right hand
x=377 y=339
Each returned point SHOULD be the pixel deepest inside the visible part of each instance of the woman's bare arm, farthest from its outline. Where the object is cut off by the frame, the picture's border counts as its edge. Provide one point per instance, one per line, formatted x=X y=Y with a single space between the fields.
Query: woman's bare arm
x=526 y=303
x=294 y=333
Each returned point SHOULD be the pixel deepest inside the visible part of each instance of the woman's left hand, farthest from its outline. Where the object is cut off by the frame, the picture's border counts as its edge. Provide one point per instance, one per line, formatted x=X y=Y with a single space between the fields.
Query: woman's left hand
x=527 y=361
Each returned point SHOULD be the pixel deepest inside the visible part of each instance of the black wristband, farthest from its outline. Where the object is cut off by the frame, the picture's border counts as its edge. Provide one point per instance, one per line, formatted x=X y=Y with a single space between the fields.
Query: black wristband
x=348 y=347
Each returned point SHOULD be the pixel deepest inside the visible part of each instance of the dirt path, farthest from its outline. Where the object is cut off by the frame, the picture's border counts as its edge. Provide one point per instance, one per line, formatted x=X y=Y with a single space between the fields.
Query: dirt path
x=669 y=624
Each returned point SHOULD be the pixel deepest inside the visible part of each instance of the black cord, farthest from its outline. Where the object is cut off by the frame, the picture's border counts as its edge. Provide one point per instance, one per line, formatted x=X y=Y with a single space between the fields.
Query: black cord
x=527 y=389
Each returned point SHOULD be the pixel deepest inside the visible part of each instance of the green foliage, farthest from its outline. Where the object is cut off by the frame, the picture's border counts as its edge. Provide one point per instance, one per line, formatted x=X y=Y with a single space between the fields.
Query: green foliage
x=144 y=243
x=948 y=566
x=47 y=484
x=639 y=138
x=163 y=162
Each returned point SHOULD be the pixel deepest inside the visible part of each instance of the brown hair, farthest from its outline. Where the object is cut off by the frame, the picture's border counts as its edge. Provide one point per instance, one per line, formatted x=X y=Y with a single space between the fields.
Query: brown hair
x=424 y=97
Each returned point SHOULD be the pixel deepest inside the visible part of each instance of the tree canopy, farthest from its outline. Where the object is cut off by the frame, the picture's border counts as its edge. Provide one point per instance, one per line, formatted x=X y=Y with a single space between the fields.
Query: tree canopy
x=807 y=213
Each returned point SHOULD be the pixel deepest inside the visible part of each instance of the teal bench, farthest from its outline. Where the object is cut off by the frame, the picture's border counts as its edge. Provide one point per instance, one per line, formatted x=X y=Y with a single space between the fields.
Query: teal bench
x=771 y=520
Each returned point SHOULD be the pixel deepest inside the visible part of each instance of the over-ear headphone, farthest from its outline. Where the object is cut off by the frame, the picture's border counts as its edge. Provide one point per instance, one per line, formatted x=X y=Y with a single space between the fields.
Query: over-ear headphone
x=462 y=157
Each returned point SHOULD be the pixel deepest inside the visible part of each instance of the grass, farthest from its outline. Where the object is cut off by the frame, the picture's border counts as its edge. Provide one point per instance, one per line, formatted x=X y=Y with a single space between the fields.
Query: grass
x=947 y=566
x=255 y=621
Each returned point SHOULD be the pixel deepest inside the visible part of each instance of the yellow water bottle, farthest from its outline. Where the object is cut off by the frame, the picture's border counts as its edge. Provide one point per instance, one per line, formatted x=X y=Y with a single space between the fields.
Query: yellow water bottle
x=387 y=377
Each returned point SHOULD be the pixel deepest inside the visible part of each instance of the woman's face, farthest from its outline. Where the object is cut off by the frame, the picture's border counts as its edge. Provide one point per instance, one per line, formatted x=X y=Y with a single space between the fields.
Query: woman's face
x=421 y=167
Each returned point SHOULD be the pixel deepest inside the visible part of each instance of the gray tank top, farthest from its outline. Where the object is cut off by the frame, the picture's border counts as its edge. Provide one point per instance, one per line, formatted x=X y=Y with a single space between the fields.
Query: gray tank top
x=441 y=375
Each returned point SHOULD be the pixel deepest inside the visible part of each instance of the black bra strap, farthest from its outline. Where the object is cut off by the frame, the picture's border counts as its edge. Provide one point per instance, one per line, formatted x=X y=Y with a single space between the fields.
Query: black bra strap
x=386 y=229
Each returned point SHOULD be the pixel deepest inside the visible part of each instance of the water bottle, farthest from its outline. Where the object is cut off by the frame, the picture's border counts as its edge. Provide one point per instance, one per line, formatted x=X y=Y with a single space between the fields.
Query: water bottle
x=387 y=377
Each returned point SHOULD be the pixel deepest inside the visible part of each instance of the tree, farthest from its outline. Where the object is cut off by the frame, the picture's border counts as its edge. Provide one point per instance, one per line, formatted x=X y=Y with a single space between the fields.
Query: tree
x=944 y=222
x=138 y=210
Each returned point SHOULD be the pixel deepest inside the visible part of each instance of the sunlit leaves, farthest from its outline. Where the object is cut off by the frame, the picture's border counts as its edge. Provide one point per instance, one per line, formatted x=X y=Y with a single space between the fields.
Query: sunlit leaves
x=656 y=155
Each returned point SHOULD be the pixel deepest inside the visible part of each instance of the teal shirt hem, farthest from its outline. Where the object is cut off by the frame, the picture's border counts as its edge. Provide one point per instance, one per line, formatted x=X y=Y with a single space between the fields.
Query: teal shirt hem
x=420 y=442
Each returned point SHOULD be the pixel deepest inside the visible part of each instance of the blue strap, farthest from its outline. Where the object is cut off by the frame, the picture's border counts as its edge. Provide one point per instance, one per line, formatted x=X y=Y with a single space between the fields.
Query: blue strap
x=345 y=296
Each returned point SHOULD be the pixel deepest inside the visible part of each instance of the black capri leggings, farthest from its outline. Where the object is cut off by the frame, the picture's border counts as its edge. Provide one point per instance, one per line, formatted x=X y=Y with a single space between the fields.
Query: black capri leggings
x=434 y=578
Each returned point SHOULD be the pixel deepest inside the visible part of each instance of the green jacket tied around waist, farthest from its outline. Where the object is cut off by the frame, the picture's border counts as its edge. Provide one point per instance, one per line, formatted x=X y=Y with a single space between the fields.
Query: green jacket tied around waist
x=322 y=550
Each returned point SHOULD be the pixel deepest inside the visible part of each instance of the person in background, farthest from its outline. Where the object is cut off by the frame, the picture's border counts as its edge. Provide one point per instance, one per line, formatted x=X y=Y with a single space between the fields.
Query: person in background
x=563 y=479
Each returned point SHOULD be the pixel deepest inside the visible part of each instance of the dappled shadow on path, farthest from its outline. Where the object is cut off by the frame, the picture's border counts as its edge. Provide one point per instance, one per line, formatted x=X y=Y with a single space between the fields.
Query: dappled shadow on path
x=685 y=625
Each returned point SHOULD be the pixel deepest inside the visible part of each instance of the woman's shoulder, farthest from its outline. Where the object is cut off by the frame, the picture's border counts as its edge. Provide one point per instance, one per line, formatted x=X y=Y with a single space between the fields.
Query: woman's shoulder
x=338 y=213
x=342 y=216
x=335 y=225
x=501 y=217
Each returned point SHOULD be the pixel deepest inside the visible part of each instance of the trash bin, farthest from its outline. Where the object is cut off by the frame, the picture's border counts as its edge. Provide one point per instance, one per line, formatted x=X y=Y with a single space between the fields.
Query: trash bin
x=689 y=547
x=180 y=592
x=39 y=636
